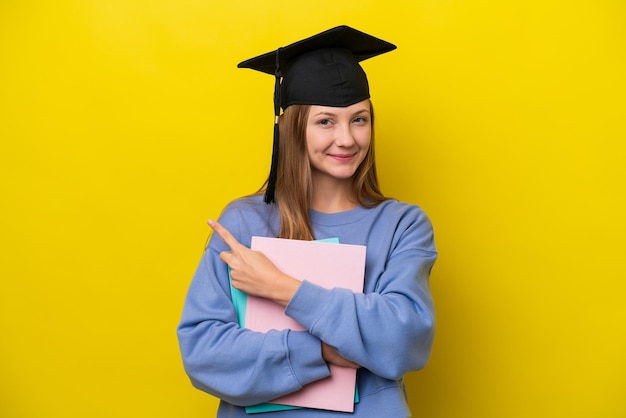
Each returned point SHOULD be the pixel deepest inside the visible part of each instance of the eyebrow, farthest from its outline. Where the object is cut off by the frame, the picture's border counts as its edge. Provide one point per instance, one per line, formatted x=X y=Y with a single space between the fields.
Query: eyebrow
x=325 y=113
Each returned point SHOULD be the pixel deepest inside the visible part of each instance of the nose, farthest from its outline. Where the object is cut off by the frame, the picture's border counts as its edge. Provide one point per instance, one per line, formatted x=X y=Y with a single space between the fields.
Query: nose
x=344 y=136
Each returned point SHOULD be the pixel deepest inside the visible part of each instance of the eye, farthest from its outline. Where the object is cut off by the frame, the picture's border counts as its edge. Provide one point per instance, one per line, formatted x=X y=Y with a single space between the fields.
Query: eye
x=360 y=120
x=324 y=122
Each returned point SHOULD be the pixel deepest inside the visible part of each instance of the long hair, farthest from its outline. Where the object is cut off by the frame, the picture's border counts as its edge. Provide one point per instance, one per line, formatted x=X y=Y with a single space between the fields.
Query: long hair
x=294 y=184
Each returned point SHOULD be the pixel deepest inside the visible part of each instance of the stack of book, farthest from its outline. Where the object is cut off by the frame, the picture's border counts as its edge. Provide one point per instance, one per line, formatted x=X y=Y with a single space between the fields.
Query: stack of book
x=326 y=263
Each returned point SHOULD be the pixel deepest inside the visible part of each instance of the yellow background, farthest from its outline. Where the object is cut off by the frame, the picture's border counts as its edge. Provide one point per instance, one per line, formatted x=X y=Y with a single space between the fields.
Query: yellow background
x=124 y=125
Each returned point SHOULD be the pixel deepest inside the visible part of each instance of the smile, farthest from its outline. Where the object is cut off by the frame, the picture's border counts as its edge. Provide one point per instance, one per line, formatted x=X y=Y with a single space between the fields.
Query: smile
x=342 y=157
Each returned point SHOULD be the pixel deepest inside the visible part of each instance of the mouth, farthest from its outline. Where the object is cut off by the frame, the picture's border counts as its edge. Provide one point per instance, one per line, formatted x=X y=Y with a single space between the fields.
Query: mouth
x=342 y=157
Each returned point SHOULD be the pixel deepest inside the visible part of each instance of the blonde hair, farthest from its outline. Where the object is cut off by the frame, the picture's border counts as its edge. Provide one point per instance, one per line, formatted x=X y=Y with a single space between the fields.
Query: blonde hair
x=293 y=182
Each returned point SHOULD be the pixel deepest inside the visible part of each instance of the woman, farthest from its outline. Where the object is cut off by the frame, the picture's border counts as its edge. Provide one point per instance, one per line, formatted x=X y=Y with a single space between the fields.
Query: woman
x=322 y=184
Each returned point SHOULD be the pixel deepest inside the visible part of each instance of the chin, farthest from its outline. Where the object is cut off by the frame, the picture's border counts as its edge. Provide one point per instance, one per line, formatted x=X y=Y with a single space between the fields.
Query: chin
x=343 y=176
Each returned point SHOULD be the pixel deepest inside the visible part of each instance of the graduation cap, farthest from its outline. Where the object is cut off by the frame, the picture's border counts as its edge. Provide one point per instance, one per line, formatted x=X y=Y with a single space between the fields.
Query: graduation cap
x=321 y=70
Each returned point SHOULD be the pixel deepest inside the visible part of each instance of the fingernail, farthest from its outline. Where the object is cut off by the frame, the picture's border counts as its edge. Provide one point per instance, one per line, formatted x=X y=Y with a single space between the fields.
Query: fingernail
x=211 y=223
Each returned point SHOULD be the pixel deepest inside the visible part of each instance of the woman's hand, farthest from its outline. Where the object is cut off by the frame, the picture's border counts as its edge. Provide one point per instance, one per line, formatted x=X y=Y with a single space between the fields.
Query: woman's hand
x=252 y=272
x=331 y=356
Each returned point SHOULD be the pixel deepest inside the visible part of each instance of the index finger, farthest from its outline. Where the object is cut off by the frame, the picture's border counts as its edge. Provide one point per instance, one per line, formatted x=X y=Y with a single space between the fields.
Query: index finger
x=224 y=234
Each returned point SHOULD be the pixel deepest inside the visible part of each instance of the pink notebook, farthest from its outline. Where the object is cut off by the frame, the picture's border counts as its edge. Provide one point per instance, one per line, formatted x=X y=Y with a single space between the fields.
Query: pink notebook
x=328 y=265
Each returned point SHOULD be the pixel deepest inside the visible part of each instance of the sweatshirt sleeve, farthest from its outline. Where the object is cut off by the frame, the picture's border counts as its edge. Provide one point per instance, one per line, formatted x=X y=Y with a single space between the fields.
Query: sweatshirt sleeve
x=389 y=329
x=235 y=364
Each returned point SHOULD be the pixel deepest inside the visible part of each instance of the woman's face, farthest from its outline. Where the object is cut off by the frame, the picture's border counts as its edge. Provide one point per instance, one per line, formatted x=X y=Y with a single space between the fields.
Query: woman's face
x=337 y=139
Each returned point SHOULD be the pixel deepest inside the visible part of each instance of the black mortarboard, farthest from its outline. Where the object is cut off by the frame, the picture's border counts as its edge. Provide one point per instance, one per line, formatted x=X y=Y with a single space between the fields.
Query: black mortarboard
x=321 y=70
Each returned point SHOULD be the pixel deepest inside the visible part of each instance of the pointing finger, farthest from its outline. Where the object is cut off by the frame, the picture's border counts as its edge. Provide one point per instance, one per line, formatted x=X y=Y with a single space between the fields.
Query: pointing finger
x=224 y=234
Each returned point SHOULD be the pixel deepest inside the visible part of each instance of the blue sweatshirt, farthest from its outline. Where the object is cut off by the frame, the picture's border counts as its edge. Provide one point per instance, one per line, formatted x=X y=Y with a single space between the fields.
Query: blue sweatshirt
x=388 y=329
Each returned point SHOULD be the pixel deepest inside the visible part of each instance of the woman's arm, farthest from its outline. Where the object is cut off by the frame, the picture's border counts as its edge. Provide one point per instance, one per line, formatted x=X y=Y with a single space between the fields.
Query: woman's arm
x=254 y=274
x=235 y=364
x=390 y=329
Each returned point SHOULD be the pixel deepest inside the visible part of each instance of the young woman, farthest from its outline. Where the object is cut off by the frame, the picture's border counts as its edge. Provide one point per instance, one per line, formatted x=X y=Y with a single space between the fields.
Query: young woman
x=322 y=184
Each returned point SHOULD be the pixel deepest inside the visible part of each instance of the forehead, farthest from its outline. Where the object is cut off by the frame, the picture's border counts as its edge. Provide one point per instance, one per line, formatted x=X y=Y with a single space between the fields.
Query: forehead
x=363 y=106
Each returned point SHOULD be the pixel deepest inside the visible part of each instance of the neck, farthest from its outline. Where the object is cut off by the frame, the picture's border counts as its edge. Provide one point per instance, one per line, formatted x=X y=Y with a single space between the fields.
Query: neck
x=332 y=196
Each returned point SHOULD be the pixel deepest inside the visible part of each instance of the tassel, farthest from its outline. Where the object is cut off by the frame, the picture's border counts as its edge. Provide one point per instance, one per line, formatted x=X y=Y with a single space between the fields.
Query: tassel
x=271 y=182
